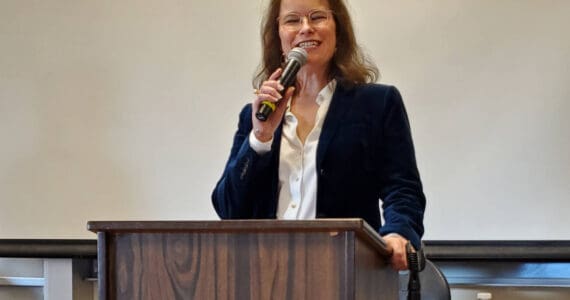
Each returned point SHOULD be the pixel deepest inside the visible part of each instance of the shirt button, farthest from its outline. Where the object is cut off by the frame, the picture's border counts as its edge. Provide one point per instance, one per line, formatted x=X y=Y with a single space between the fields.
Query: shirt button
x=293 y=205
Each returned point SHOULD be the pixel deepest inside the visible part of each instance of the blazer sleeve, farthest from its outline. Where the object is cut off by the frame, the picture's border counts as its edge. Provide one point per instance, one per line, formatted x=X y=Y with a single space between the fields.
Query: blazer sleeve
x=232 y=197
x=403 y=200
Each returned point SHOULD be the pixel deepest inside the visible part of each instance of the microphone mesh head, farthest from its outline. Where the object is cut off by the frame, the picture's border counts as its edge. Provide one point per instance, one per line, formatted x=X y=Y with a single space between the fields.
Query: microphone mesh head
x=298 y=54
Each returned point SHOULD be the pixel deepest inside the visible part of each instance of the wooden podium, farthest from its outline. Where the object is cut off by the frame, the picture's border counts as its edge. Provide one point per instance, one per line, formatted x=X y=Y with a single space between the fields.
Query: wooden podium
x=243 y=259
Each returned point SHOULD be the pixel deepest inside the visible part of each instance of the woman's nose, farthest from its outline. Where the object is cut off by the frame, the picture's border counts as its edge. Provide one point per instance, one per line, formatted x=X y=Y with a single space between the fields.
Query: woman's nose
x=306 y=25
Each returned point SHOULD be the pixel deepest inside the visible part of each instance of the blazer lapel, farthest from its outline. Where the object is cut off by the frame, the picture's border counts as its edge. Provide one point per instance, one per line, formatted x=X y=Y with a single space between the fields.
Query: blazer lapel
x=340 y=104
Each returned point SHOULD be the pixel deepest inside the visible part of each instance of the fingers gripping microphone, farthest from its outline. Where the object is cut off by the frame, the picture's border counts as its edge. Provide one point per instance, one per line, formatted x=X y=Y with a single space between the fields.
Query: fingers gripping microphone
x=296 y=58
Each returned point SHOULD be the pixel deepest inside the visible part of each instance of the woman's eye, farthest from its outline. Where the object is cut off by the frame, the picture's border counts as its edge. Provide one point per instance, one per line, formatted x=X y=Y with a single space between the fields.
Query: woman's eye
x=291 y=20
x=318 y=16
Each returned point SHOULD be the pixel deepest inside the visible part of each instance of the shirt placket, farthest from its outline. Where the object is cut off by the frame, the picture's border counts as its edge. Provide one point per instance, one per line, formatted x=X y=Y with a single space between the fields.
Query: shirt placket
x=296 y=177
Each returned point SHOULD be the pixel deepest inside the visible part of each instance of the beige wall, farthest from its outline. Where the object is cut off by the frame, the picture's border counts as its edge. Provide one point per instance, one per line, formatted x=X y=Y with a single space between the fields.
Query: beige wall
x=126 y=109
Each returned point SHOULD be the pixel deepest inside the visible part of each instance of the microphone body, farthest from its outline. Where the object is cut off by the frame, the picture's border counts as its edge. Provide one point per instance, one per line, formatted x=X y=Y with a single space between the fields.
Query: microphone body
x=296 y=58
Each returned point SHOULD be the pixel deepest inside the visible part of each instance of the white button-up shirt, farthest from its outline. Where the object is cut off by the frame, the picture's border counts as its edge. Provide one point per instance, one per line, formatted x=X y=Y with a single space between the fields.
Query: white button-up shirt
x=297 y=162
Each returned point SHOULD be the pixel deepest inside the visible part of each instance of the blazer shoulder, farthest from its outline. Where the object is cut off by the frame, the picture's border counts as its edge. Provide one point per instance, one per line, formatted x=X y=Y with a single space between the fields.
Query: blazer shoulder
x=376 y=94
x=245 y=122
x=378 y=90
x=245 y=111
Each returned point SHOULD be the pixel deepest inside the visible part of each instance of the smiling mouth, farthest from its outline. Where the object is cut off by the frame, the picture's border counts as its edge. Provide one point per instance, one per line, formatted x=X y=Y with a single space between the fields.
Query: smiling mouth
x=308 y=44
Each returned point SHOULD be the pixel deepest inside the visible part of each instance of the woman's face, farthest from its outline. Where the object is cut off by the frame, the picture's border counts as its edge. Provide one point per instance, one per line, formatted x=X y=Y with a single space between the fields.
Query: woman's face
x=308 y=24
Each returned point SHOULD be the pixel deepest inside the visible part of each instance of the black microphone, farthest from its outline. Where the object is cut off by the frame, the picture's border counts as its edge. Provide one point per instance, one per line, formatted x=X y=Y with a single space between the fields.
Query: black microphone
x=416 y=264
x=296 y=58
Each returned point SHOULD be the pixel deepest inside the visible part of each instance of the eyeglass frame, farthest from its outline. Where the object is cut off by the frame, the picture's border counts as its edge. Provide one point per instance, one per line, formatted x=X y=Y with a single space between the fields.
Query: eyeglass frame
x=329 y=14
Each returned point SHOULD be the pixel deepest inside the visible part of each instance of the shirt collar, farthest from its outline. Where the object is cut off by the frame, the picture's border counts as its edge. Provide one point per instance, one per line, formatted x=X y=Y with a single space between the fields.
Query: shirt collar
x=325 y=95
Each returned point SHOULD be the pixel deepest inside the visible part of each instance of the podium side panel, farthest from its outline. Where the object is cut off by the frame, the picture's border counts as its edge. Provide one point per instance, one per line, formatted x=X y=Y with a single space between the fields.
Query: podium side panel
x=375 y=278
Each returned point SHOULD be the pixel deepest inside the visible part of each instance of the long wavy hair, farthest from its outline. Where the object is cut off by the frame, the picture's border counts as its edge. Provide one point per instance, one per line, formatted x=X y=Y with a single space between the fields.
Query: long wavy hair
x=348 y=65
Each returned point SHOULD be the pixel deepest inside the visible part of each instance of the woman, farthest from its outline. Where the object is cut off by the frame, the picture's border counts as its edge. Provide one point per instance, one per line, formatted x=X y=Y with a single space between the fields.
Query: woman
x=335 y=145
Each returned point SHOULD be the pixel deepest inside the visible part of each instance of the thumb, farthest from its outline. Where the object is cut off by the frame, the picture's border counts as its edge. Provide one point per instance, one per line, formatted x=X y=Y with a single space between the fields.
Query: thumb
x=289 y=93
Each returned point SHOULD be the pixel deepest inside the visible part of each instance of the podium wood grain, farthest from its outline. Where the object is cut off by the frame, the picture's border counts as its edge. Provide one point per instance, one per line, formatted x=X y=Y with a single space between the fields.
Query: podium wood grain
x=263 y=261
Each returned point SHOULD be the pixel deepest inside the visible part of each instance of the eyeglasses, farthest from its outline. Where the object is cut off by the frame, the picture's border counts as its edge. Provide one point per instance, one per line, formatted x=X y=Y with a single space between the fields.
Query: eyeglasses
x=294 y=21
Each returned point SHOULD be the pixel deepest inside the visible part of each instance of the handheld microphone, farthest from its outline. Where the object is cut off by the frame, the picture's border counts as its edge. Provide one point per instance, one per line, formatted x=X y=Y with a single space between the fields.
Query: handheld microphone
x=296 y=58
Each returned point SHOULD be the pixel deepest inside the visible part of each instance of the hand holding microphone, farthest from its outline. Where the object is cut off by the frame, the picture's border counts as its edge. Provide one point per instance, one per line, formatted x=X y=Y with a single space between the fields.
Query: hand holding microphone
x=268 y=109
x=296 y=58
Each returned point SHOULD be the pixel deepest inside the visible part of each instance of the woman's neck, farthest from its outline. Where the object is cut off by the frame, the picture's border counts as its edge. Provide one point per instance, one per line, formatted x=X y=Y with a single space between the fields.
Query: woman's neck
x=310 y=82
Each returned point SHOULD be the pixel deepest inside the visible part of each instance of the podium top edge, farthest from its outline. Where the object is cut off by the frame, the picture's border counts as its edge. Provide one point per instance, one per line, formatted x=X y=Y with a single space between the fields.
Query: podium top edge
x=230 y=225
x=359 y=226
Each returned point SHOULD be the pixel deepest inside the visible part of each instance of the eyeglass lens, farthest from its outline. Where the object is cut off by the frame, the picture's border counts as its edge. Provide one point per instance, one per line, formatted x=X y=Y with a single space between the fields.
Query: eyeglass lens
x=295 y=20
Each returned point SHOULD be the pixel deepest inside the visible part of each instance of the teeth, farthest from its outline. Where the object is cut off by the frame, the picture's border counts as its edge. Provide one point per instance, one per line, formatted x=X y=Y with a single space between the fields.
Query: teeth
x=308 y=44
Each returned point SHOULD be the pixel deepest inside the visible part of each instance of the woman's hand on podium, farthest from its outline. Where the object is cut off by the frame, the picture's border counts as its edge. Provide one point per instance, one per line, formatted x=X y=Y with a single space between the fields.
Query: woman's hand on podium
x=398 y=245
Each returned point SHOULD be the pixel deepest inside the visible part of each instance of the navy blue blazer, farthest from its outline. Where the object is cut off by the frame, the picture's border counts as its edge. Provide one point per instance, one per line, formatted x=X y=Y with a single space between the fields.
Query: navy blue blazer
x=365 y=154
